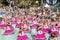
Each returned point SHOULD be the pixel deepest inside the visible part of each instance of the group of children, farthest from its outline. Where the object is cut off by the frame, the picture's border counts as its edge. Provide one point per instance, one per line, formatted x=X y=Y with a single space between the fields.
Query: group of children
x=24 y=24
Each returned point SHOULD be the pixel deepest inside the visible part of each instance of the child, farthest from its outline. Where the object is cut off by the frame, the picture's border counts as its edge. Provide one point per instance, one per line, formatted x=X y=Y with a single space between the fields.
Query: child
x=8 y=32
x=34 y=27
x=54 y=31
x=27 y=31
x=2 y=30
x=53 y=37
x=46 y=30
x=3 y=24
x=40 y=35
x=19 y=23
x=13 y=20
x=22 y=36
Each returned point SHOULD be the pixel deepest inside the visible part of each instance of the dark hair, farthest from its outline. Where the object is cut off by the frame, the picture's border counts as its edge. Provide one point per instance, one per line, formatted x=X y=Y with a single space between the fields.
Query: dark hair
x=38 y=26
x=20 y=27
x=56 y=24
x=52 y=19
x=8 y=24
x=53 y=35
x=37 y=16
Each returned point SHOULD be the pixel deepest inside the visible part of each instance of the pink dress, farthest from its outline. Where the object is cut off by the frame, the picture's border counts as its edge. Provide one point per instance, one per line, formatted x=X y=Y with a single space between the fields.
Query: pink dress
x=46 y=29
x=43 y=19
x=55 y=31
x=9 y=30
x=13 y=20
x=30 y=19
x=40 y=36
x=19 y=23
x=26 y=30
x=22 y=36
x=35 y=24
x=2 y=25
x=58 y=27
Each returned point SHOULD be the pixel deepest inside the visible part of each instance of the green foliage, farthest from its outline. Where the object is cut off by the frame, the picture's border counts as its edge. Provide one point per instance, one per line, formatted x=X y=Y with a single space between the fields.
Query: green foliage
x=25 y=2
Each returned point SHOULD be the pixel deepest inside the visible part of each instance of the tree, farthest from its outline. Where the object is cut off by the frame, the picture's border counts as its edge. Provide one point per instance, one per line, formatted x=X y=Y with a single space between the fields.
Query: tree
x=25 y=2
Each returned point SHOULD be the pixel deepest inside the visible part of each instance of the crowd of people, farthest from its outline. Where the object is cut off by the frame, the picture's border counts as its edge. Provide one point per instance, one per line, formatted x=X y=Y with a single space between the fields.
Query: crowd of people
x=29 y=24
